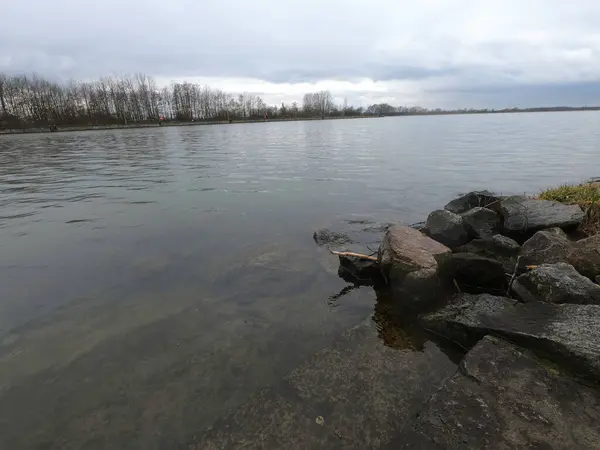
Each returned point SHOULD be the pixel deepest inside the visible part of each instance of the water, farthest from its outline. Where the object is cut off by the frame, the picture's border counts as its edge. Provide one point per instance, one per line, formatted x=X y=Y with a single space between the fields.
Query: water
x=152 y=279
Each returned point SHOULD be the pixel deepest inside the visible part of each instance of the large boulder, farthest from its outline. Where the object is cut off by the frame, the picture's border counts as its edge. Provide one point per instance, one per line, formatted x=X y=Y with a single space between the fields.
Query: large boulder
x=447 y=228
x=323 y=236
x=482 y=222
x=524 y=216
x=585 y=256
x=414 y=265
x=569 y=334
x=556 y=283
x=545 y=247
x=498 y=247
x=471 y=200
x=502 y=397
x=477 y=274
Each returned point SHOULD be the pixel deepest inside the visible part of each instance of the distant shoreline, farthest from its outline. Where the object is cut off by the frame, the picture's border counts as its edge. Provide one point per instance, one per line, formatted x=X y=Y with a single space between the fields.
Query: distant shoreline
x=173 y=123
x=170 y=123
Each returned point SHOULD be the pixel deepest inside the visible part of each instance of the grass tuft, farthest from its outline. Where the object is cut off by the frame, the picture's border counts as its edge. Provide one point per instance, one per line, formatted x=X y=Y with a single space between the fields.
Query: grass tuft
x=586 y=195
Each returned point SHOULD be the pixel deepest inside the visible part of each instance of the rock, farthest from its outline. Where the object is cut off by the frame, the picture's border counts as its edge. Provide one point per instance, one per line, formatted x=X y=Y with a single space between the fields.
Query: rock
x=447 y=228
x=417 y=225
x=585 y=256
x=553 y=246
x=359 y=270
x=556 y=283
x=482 y=222
x=545 y=247
x=569 y=334
x=413 y=264
x=323 y=236
x=478 y=274
x=524 y=216
x=502 y=397
x=472 y=200
x=498 y=247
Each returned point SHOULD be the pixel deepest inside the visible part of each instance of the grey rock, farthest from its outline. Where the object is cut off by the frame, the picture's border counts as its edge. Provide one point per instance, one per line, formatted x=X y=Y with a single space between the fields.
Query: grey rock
x=498 y=247
x=553 y=246
x=359 y=270
x=413 y=264
x=477 y=274
x=504 y=398
x=323 y=236
x=472 y=200
x=556 y=283
x=585 y=256
x=447 y=228
x=482 y=222
x=569 y=334
x=545 y=247
x=524 y=216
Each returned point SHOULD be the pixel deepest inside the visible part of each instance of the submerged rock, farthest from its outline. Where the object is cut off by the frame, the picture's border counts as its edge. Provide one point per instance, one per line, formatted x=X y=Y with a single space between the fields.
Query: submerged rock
x=524 y=216
x=570 y=334
x=498 y=247
x=471 y=200
x=413 y=263
x=482 y=222
x=447 y=228
x=477 y=274
x=504 y=398
x=545 y=247
x=556 y=283
x=323 y=236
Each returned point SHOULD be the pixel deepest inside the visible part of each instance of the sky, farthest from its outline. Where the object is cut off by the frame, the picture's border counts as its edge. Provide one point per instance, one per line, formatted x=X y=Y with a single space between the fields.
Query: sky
x=431 y=53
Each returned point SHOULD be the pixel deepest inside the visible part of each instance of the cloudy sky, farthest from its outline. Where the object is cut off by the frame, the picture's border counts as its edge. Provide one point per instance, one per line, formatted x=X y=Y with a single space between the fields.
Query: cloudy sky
x=447 y=53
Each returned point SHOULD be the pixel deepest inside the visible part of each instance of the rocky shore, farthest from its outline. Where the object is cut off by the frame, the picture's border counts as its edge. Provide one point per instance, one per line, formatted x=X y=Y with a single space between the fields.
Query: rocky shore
x=512 y=281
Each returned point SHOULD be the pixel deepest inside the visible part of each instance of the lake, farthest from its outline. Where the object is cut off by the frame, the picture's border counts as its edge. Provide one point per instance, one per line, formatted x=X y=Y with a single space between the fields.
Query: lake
x=153 y=279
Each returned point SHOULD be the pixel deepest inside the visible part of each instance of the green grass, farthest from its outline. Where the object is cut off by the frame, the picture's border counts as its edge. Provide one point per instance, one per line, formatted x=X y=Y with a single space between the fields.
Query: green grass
x=586 y=195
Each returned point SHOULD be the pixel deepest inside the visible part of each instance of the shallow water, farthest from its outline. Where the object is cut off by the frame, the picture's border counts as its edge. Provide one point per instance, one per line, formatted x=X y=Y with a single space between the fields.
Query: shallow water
x=152 y=279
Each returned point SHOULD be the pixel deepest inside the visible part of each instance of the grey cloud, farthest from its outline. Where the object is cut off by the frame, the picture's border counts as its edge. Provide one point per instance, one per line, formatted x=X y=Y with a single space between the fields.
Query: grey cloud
x=442 y=48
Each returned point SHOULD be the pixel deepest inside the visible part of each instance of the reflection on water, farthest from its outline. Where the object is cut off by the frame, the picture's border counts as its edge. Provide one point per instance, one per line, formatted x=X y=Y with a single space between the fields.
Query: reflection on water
x=151 y=280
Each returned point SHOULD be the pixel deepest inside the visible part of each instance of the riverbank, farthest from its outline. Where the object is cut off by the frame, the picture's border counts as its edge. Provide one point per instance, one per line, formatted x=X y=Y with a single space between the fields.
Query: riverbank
x=513 y=281
x=276 y=119
x=168 y=124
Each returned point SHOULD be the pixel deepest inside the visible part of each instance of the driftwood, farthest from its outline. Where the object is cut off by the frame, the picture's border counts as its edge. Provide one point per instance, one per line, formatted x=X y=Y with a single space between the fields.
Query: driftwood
x=456 y=285
x=355 y=255
x=512 y=278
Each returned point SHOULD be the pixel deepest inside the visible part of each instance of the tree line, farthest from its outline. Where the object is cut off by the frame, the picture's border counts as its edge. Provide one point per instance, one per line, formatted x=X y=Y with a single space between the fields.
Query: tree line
x=33 y=101
x=28 y=101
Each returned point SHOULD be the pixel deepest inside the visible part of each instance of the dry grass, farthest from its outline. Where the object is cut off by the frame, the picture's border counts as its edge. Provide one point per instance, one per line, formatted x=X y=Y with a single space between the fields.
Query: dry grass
x=586 y=195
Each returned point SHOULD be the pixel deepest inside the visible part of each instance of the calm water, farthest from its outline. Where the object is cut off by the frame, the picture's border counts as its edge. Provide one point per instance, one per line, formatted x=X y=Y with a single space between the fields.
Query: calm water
x=152 y=279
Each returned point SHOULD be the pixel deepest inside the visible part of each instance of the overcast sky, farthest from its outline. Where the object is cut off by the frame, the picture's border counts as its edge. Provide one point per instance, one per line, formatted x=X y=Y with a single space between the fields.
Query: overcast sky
x=448 y=53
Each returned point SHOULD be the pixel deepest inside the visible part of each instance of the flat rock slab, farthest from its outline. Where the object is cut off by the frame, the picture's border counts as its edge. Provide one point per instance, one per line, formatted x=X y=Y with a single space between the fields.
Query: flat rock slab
x=363 y=391
x=524 y=216
x=504 y=398
x=569 y=334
